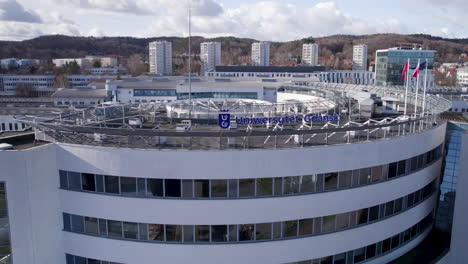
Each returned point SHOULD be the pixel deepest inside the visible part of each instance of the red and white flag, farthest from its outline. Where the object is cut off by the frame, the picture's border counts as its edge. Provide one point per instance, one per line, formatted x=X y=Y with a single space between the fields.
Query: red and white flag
x=405 y=70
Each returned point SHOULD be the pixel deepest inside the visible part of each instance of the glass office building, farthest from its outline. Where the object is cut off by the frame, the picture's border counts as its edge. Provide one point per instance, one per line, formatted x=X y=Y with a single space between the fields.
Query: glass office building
x=389 y=63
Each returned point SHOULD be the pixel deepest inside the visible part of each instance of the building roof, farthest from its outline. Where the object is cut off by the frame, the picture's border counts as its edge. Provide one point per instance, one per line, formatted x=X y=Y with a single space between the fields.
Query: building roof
x=81 y=92
x=282 y=69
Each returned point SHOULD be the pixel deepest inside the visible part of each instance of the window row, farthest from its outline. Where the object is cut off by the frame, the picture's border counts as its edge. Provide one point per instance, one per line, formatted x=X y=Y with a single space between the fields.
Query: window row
x=243 y=232
x=243 y=188
x=71 y=259
x=376 y=250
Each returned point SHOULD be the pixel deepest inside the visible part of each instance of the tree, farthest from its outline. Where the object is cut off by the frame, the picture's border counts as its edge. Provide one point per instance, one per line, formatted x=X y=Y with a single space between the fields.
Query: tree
x=135 y=65
x=61 y=81
x=97 y=63
x=70 y=68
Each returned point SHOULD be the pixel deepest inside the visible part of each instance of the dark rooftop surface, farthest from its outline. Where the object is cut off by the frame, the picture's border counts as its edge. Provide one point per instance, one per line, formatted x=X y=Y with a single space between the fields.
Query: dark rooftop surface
x=298 y=69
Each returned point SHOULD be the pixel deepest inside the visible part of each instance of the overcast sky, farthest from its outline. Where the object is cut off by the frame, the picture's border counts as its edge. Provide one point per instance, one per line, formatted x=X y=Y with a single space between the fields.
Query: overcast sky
x=273 y=20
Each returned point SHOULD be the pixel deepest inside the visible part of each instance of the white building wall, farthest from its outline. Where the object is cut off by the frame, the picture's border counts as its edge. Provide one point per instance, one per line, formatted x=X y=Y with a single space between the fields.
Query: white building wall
x=210 y=55
x=462 y=76
x=8 y=123
x=261 y=54
x=360 y=57
x=310 y=54
x=160 y=57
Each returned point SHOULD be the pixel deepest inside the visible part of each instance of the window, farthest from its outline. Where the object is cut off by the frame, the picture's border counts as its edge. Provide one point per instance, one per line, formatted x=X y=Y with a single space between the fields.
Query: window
x=264 y=186
x=187 y=188
x=398 y=205
x=66 y=222
x=63 y=179
x=362 y=216
x=291 y=185
x=331 y=181
x=290 y=228
x=345 y=179
x=340 y=259
x=173 y=233
x=141 y=187
x=370 y=251
x=389 y=208
x=202 y=188
x=376 y=173
x=246 y=232
x=99 y=183
x=114 y=228
x=307 y=184
x=328 y=224
x=130 y=230
x=156 y=232
x=263 y=231
x=233 y=233
x=392 y=170
x=359 y=255
x=172 y=188
x=219 y=233
x=102 y=227
x=143 y=231
x=401 y=168
x=342 y=221
x=91 y=225
x=112 y=184
x=74 y=180
x=77 y=224
x=202 y=233
x=306 y=226
x=246 y=188
x=364 y=176
x=154 y=187
x=278 y=186
x=218 y=188
x=233 y=188
x=128 y=186
x=188 y=233
x=374 y=213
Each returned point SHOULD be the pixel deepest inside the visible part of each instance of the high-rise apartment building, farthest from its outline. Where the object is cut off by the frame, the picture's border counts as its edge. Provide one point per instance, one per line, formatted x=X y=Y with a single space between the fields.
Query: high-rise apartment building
x=160 y=57
x=210 y=55
x=360 y=57
x=310 y=54
x=261 y=54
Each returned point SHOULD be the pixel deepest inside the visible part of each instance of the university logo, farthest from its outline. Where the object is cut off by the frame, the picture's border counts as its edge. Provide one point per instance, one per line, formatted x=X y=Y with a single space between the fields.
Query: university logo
x=224 y=119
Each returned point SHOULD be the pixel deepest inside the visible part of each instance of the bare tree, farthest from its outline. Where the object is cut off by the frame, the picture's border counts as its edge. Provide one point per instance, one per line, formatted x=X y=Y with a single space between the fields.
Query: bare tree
x=25 y=90
x=61 y=81
x=135 y=65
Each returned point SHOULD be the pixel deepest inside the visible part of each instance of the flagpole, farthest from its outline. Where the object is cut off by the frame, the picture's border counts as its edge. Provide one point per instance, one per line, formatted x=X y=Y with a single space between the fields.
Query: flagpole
x=406 y=89
x=417 y=90
x=424 y=93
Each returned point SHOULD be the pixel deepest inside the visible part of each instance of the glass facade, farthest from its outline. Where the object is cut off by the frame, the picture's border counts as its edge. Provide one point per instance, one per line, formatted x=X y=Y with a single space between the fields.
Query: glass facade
x=154 y=92
x=5 y=242
x=242 y=95
x=244 y=188
x=390 y=63
x=373 y=251
x=244 y=232
x=71 y=259
x=451 y=172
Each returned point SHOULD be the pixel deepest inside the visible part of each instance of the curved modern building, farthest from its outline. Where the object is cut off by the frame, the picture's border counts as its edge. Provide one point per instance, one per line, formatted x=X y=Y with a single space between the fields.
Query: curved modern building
x=308 y=179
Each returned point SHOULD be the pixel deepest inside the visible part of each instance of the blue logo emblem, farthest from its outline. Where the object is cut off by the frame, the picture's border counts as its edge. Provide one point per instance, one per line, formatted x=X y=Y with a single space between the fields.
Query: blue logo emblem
x=224 y=120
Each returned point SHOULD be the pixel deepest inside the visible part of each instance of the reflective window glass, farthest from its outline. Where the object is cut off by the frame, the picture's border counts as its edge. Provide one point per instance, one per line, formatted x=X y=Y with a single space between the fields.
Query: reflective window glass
x=318 y=225
x=219 y=233
x=345 y=179
x=130 y=230
x=392 y=170
x=111 y=184
x=66 y=222
x=202 y=188
x=99 y=183
x=263 y=231
x=102 y=227
x=319 y=184
x=362 y=216
x=154 y=187
x=278 y=185
x=74 y=180
x=91 y=225
x=339 y=259
x=398 y=205
x=141 y=187
x=77 y=223
x=342 y=221
x=156 y=232
x=306 y=226
x=218 y=188
x=376 y=174
x=87 y=182
x=291 y=185
x=114 y=228
x=143 y=231
x=364 y=176
x=246 y=188
x=389 y=208
x=233 y=233
x=174 y=233
x=331 y=181
x=233 y=188
x=187 y=188
x=188 y=233
x=172 y=187
x=401 y=168
x=374 y=213
x=246 y=232
x=395 y=241
x=370 y=251
x=359 y=255
x=307 y=184
x=328 y=223
x=290 y=228
x=264 y=186
x=128 y=186
x=202 y=233
x=63 y=179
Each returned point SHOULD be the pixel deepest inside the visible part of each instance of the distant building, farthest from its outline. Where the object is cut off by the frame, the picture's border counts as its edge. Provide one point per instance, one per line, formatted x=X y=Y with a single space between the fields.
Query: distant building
x=160 y=57
x=310 y=54
x=9 y=63
x=105 y=61
x=462 y=76
x=210 y=55
x=390 y=62
x=107 y=70
x=360 y=57
x=82 y=62
x=261 y=54
x=79 y=97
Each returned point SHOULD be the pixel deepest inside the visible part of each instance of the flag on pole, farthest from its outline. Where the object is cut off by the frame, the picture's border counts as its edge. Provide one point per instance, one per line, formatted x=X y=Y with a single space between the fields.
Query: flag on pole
x=418 y=68
x=405 y=70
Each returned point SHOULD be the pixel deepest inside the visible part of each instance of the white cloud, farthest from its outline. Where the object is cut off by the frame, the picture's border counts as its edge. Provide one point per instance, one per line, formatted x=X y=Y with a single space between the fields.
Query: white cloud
x=10 y=10
x=276 y=22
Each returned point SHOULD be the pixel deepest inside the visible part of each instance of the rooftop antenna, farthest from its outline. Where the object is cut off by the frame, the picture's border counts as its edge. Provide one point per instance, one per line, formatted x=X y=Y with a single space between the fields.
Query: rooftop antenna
x=190 y=56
